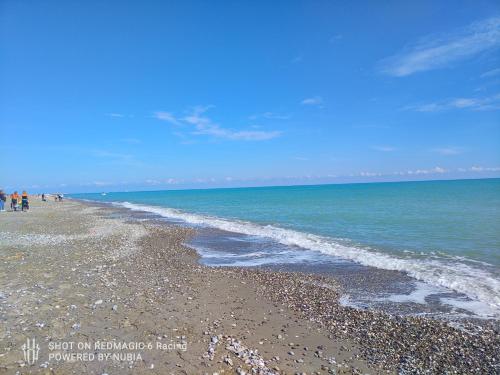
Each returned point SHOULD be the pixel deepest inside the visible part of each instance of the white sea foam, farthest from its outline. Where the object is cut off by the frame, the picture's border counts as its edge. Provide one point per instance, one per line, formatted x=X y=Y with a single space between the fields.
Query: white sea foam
x=477 y=283
x=418 y=295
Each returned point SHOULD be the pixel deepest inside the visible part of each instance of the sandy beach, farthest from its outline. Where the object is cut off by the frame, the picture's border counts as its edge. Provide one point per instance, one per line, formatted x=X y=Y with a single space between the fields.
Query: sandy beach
x=102 y=293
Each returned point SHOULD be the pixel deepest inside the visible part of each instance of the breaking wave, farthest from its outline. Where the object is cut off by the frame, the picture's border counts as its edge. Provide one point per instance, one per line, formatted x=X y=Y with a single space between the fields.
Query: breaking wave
x=460 y=275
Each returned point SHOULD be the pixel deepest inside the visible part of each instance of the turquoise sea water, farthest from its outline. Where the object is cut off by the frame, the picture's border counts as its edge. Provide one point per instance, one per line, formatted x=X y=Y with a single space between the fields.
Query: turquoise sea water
x=445 y=233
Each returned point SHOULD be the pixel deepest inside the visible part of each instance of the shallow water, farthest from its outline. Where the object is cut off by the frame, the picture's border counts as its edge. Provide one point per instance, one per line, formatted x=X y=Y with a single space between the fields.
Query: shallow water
x=442 y=235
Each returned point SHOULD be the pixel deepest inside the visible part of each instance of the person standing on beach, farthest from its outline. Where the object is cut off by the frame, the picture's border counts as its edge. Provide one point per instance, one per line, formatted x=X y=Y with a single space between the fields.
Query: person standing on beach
x=24 y=201
x=14 y=198
x=3 y=198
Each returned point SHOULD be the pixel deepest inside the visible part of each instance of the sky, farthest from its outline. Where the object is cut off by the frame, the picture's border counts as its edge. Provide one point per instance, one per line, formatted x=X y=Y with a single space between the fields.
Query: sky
x=129 y=95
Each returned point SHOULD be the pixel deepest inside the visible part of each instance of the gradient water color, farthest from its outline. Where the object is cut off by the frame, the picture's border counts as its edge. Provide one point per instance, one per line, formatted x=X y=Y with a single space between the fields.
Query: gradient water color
x=445 y=233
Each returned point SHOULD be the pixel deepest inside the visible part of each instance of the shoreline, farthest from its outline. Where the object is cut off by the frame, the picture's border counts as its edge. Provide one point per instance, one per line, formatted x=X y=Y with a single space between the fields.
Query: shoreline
x=224 y=309
x=367 y=287
x=454 y=286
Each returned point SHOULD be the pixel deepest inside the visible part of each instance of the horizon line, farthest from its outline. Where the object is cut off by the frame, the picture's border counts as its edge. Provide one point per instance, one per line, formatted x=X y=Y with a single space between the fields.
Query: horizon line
x=291 y=185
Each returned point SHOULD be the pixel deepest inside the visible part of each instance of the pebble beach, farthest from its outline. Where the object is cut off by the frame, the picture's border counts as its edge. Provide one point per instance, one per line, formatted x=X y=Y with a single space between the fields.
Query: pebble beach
x=102 y=293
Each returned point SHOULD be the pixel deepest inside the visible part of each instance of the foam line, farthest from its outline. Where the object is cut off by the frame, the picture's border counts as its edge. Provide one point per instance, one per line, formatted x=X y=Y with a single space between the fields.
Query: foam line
x=478 y=284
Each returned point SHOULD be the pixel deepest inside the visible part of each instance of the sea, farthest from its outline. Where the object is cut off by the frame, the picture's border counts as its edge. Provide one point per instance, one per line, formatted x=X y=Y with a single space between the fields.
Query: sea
x=420 y=248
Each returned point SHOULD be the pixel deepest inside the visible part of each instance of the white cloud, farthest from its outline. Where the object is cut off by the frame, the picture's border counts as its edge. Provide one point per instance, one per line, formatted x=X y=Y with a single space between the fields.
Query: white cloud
x=383 y=148
x=436 y=52
x=252 y=135
x=427 y=171
x=316 y=100
x=152 y=182
x=166 y=116
x=173 y=181
x=489 y=103
x=484 y=169
x=117 y=115
x=370 y=174
x=203 y=125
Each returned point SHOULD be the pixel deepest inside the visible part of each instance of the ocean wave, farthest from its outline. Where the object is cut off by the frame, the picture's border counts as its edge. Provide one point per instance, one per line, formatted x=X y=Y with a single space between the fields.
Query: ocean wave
x=478 y=284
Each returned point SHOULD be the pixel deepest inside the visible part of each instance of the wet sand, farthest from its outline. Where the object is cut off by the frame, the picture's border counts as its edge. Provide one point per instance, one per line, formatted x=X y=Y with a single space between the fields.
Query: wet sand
x=133 y=299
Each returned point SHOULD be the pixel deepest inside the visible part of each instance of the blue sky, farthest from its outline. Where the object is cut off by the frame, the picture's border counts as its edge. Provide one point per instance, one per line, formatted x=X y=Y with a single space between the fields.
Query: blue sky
x=117 y=95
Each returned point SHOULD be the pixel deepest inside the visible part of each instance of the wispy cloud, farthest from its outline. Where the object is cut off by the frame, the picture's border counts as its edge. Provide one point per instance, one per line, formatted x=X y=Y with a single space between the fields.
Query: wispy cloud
x=477 y=168
x=167 y=181
x=166 y=116
x=489 y=103
x=383 y=148
x=448 y=151
x=203 y=125
x=116 y=115
x=315 y=100
x=410 y=172
x=434 y=52
x=435 y=170
x=297 y=59
x=491 y=73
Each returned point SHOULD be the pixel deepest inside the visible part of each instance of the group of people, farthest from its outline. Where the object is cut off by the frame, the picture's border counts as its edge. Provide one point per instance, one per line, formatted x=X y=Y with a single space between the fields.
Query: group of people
x=21 y=202
x=16 y=201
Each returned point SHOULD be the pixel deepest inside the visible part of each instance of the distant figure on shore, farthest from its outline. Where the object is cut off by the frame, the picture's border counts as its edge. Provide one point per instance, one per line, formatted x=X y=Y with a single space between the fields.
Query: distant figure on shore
x=25 y=206
x=60 y=197
x=14 y=199
x=43 y=197
x=3 y=198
